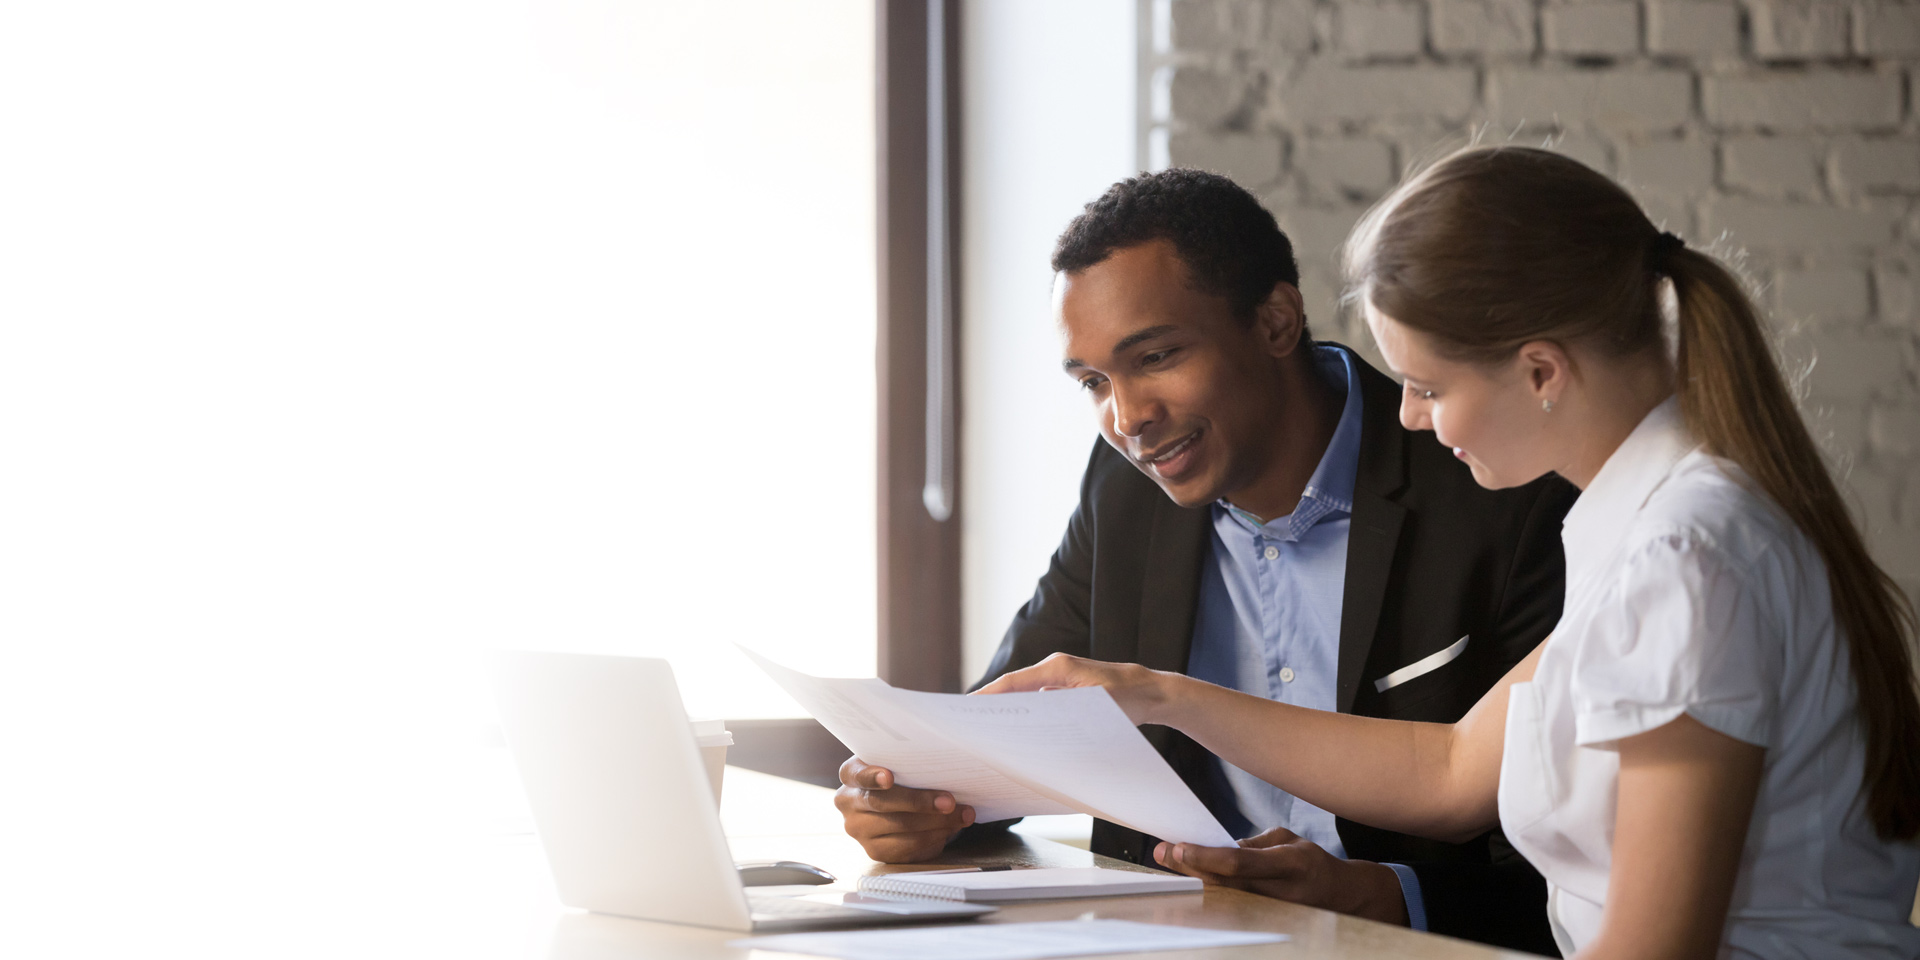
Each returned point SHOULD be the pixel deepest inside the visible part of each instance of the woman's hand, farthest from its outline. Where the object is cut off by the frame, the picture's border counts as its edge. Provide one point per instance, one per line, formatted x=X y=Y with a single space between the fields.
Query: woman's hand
x=1140 y=692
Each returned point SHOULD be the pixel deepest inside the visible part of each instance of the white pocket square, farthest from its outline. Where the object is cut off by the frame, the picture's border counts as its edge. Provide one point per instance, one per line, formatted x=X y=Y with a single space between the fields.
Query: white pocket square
x=1421 y=667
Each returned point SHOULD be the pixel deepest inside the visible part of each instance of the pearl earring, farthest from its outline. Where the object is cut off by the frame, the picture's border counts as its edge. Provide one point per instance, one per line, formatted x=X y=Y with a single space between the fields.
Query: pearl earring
x=1546 y=405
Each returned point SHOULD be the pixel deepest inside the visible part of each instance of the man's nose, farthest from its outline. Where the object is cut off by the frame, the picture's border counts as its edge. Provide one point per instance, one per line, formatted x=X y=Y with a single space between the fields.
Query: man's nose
x=1133 y=411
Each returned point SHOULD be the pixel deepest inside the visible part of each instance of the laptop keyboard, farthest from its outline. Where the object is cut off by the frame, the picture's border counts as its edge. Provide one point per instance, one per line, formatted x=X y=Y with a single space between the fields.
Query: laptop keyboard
x=787 y=908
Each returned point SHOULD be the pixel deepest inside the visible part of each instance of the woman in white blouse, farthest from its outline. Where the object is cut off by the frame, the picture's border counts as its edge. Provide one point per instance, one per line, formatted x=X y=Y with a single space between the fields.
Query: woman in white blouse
x=1718 y=749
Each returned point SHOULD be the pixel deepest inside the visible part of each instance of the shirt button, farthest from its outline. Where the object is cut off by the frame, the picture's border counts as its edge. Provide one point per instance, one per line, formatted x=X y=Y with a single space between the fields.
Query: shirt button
x=1273 y=553
x=1286 y=674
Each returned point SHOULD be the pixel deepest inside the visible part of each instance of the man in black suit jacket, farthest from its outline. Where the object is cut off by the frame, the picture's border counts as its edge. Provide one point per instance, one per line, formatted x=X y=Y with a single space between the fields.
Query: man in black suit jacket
x=1179 y=304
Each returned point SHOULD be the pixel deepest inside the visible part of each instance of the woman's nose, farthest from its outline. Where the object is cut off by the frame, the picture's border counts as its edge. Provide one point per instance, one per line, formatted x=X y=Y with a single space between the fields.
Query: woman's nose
x=1413 y=413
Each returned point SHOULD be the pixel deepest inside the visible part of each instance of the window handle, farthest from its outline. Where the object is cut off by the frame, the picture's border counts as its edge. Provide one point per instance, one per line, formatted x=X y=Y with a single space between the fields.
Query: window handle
x=938 y=494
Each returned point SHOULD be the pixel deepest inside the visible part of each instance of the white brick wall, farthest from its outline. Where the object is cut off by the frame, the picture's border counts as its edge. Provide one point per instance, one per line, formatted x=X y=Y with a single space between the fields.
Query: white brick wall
x=1690 y=28
x=1838 y=100
x=1596 y=29
x=1483 y=26
x=1782 y=30
x=1388 y=29
x=1783 y=130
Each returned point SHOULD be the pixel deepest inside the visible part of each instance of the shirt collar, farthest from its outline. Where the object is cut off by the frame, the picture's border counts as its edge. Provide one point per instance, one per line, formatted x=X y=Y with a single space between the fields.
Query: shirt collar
x=1330 y=489
x=1600 y=519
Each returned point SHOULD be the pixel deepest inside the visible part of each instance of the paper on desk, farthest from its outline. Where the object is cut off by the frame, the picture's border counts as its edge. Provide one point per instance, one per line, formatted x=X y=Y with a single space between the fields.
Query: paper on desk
x=1010 y=754
x=1007 y=941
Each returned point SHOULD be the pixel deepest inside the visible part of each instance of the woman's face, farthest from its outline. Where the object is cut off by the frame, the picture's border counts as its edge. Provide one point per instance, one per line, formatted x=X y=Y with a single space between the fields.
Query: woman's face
x=1491 y=416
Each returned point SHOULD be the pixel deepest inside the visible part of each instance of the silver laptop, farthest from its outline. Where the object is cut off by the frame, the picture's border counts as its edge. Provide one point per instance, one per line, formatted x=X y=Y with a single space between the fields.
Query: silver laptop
x=623 y=806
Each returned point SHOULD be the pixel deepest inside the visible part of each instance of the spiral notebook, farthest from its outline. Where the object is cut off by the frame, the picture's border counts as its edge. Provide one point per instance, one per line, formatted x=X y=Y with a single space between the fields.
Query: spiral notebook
x=1051 y=883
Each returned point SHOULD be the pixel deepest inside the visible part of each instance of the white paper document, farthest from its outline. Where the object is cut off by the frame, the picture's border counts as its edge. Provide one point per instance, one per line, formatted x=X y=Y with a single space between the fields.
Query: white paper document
x=1011 y=754
x=1007 y=941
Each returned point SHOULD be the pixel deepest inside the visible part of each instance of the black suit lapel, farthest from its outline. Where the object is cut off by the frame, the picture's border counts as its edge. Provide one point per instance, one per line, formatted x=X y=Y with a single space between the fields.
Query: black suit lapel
x=1170 y=589
x=1374 y=532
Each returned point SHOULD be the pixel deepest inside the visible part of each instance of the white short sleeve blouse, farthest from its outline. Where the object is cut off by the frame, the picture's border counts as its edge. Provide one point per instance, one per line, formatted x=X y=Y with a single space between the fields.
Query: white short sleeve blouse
x=1689 y=593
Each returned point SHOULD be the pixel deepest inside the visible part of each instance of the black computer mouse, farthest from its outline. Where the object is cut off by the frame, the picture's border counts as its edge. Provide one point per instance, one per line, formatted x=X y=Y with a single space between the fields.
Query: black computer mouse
x=775 y=873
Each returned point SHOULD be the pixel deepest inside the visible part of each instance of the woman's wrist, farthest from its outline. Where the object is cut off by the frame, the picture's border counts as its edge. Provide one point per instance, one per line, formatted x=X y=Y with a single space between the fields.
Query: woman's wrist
x=1166 y=697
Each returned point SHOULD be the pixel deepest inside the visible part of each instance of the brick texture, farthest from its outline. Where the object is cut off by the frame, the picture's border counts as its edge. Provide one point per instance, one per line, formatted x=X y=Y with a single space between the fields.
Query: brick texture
x=1612 y=99
x=1876 y=165
x=1325 y=93
x=1804 y=100
x=1775 y=130
x=1772 y=166
x=1483 y=26
x=1682 y=168
x=1887 y=30
x=1799 y=30
x=1598 y=29
x=1824 y=295
x=1691 y=29
x=1389 y=30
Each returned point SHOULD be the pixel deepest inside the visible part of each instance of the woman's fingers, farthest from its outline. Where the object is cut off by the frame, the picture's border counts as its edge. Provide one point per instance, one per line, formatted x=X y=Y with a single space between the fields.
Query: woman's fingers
x=1058 y=670
x=1133 y=687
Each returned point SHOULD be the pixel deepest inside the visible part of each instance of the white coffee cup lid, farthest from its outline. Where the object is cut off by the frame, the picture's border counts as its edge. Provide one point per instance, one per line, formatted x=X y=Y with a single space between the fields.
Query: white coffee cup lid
x=712 y=733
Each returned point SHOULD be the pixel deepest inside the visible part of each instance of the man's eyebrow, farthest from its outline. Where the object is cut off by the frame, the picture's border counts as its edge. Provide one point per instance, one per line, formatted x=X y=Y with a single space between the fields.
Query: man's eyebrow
x=1127 y=342
x=1133 y=339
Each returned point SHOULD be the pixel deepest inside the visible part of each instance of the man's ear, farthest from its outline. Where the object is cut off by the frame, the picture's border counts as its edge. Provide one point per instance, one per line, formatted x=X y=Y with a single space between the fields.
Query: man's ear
x=1278 y=320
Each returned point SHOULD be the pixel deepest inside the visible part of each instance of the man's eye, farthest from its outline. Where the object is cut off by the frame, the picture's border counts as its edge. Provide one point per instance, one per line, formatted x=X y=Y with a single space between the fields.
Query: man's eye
x=1091 y=383
x=1156 y=356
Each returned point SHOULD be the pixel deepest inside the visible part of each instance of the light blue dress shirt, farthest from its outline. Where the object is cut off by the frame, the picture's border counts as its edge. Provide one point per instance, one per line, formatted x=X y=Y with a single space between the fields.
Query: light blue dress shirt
x=1268 y=621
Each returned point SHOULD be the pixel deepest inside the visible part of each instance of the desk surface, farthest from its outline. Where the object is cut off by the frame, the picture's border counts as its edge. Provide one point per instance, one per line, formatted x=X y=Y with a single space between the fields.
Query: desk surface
x=770 y=818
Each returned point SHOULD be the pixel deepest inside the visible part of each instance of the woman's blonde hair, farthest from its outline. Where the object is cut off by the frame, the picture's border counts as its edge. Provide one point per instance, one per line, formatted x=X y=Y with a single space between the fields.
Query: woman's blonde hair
x=1493 y=247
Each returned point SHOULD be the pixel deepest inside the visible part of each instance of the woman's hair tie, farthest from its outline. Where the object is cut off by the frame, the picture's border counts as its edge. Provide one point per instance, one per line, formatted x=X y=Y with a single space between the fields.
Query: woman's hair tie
x=1662 y=247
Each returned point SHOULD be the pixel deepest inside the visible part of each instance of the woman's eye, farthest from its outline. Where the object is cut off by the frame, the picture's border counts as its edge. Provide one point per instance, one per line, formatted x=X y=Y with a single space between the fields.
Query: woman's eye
x=1091 y=383
x=1156 y=356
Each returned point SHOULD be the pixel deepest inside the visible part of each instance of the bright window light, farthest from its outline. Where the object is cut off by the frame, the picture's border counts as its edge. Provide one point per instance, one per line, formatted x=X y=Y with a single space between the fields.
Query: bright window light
x=340 y=342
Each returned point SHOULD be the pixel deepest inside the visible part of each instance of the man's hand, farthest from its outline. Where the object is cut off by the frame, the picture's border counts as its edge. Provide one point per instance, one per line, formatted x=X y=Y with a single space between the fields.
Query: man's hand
x=896 y=824
x=1279 y=864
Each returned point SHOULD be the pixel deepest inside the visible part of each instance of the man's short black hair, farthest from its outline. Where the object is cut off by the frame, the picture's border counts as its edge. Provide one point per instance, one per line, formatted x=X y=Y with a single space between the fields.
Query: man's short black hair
x=1229 y=242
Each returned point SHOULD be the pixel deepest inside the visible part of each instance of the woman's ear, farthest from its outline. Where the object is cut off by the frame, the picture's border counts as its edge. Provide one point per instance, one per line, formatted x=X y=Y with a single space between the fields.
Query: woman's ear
x=1279 y=319
x=1547 y=367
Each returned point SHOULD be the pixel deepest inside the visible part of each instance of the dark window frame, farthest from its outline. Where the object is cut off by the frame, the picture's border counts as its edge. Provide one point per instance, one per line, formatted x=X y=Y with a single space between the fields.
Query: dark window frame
x=919 y=556
x=918 y=560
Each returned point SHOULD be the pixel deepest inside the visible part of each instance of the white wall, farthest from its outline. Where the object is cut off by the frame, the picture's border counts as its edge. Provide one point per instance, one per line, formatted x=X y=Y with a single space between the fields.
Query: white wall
x=1049 y=121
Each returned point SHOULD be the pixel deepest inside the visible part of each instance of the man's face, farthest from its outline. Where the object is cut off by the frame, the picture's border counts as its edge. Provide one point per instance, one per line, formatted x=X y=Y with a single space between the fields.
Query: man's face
x=1179 y=384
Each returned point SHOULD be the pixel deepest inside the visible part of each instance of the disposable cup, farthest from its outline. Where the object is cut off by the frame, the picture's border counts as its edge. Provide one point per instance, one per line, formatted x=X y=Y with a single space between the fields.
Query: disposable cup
x=714 y=739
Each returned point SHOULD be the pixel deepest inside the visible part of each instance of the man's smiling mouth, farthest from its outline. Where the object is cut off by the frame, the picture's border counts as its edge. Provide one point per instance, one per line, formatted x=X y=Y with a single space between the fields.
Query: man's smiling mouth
x=1168 y=453
x=1176 y=460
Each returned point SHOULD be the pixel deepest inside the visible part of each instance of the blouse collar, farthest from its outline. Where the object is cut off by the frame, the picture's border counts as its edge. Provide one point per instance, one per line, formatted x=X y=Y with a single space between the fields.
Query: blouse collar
x=1600 y=519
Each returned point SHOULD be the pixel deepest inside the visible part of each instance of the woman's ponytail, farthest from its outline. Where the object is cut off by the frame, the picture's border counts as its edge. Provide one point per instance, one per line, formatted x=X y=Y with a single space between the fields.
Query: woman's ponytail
x=1736 y=402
